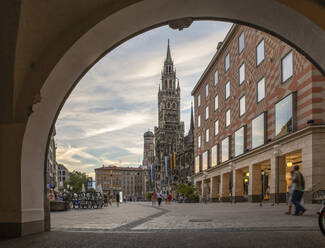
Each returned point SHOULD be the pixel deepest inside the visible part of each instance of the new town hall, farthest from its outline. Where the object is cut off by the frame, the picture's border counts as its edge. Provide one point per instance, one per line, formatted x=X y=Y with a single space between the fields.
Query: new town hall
x=168 y=141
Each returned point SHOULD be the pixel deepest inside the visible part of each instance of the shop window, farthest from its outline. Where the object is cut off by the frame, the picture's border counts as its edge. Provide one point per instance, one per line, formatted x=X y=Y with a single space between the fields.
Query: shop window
x=197 y=164
x=205 y=161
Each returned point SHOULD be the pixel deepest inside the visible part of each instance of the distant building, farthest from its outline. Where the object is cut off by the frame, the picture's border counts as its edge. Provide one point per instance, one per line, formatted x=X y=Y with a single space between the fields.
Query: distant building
x=51 y=165
x=170 y=144
x=148 y=159
x=63 y=175
x=130 y=181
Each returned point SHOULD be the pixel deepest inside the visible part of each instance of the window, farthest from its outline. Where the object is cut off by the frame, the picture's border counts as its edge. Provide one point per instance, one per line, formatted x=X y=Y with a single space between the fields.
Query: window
x=216 y=102
x=206 y=90
x=260 y=90
x=227 y=94
x=258 y=131
x=225 y=149
x=242 y=105
x=239 y=141
x=241 y=42
x=284 y=116
x=287 y=67
x=227 y=117
x=207 y=112
x=227 y=62
x=260 y=52
x=216 y=78
x=198 y=121
x=214 y=155
x=205 y=161
x=241 y=73
x=198 y=100
x=216 y=127
x=199 y=141
x=207 y=136
x=197 y=164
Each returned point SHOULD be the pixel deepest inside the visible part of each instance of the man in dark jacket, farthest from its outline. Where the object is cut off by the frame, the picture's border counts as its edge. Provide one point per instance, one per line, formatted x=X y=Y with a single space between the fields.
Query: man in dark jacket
x=298 y=187
x=117 y=197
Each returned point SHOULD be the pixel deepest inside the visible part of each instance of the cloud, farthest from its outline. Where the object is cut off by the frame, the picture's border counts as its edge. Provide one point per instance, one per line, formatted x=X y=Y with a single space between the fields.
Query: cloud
x=104 y=119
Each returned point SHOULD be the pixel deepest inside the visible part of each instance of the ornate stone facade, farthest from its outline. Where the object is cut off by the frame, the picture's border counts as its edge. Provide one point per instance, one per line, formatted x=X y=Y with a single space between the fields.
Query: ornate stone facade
x=169 y=135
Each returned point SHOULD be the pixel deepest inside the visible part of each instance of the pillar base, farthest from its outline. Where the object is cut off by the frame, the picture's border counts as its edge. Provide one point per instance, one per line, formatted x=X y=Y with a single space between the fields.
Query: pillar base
x=13 y=230
x=240 y=198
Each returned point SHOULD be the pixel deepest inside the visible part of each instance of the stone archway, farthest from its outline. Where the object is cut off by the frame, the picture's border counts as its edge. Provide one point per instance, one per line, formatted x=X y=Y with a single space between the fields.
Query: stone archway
x=46 y=87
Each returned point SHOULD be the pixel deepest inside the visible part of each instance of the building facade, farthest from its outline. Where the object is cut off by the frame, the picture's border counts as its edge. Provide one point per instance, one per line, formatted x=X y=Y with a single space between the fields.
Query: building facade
x=170 y=144
x=148 y=159
x=130 y=181
x=63 y=176
x=51 y=165
x=259 y=110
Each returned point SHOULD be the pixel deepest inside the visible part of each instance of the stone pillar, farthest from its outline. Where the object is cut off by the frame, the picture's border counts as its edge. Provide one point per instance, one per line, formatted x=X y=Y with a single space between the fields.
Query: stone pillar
x=278 y=178
x=313 y=169
x=225 y=187
x=215 y=189
x=255 y=183
x=238 y=186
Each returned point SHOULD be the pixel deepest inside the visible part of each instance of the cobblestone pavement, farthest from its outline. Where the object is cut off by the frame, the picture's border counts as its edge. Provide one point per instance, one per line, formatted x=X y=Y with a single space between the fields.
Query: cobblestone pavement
x=142 y=216
x=178 y=225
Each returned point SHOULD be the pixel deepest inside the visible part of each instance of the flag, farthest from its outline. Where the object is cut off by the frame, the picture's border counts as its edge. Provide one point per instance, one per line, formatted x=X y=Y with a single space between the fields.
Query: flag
x=152 y=172
x=174 y=160
x=166 y=166
x=170 y=162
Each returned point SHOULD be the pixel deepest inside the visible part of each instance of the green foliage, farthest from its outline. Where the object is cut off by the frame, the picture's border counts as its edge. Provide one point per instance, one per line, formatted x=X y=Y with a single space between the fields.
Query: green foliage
x=188 y=191
x=148 y=196
x=77 y=179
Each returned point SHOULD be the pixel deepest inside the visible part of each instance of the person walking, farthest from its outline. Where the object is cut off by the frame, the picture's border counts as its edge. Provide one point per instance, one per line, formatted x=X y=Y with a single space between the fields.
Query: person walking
x=298 y=184
x=169 y=198
x=159 y=198
x=117 y=197
x=290 y=191
x=153 y=198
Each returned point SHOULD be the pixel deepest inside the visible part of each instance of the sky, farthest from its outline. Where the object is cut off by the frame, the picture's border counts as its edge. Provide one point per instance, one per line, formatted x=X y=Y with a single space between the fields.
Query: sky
x=106 y=115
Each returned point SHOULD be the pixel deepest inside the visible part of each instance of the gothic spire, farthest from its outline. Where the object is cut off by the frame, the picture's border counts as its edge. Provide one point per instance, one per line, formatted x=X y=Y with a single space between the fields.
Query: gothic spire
x=168 y=56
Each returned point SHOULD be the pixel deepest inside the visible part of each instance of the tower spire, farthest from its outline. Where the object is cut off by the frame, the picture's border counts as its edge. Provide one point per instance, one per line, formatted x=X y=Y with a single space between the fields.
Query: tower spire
x=168 y=56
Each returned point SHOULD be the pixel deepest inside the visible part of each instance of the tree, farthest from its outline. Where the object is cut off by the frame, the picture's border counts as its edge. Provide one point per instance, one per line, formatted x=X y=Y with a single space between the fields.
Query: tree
x=77 y=179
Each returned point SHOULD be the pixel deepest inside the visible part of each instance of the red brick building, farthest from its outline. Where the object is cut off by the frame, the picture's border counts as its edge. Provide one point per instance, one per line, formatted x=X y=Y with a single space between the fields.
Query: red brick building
x=259 y=110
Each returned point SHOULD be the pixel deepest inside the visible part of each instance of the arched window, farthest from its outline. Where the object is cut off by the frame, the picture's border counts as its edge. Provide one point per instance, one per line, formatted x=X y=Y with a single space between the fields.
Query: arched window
x=166 y=84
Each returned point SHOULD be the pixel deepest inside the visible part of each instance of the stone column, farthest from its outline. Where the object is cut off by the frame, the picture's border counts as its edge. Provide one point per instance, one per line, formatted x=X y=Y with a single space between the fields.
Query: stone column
x=225 y=187
x=238 y=186
x=255 y=183
x=215 y=189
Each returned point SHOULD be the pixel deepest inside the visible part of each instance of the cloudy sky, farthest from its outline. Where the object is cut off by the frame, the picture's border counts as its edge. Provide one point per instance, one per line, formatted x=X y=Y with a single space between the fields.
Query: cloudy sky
x=104 y=119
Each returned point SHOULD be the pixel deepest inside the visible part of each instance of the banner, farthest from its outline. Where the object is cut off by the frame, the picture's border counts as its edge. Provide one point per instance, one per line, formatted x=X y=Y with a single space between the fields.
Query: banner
x=152 y=172
x=170 y=162
x=174 y=160
x=166 y=166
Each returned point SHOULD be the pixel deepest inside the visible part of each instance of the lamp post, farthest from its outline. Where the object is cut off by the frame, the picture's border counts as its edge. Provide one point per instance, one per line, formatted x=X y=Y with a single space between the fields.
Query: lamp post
x=277 y=152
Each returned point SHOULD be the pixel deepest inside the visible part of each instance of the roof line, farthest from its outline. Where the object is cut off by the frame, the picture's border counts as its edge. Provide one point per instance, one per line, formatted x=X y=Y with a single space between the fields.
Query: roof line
x=224 y=45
